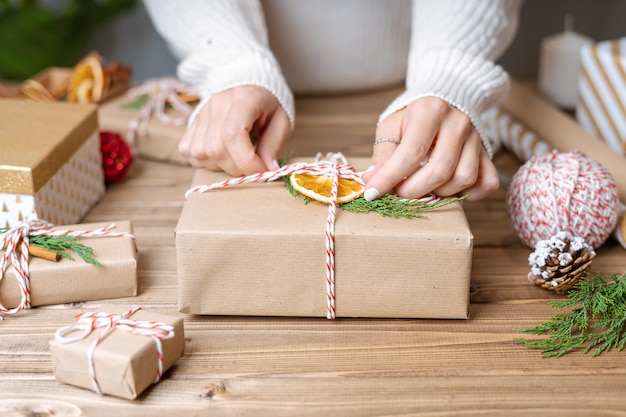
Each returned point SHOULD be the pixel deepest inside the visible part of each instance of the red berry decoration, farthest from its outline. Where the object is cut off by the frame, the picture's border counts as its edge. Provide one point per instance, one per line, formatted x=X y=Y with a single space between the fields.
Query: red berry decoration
x=117 y=156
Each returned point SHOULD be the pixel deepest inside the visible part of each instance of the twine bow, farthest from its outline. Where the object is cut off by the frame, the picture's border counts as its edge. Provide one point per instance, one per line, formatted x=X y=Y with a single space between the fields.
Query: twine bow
x=16 y=242
x=333 y=165
x=160 y=92
x=87 y=322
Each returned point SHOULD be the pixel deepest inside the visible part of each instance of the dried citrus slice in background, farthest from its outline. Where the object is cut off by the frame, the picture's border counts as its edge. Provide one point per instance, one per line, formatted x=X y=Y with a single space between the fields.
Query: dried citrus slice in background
x=318 y=187
x=89 y=80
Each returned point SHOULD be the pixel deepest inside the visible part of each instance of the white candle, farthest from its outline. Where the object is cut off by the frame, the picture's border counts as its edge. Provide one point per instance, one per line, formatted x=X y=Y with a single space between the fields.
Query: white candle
x=559 y=66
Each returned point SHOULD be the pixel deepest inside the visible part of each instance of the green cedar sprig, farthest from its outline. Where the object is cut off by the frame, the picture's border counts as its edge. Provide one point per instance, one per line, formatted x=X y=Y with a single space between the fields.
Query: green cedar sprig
x=388 y=205
x=596 y=320
x=61 y=244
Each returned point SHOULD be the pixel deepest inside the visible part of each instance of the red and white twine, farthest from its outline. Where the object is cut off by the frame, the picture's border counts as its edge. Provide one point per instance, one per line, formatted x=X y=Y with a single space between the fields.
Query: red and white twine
x=89 y=321
x=333 y=165
x=160 y=92
x=16 y=244
x=554 y=192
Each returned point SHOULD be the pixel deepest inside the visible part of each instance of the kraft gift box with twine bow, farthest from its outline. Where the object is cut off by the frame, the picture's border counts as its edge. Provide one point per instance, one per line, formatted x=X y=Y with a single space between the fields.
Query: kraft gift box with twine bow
x=50 y=161
x=46 y=282
x=253 y=249
x=117 y=351
x=152 y=117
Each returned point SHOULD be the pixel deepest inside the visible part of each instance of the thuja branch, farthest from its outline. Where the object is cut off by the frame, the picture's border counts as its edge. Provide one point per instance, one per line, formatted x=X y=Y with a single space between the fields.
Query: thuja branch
x=61 y=245
x=394 y=206
x=388 y=205
x=595 y=321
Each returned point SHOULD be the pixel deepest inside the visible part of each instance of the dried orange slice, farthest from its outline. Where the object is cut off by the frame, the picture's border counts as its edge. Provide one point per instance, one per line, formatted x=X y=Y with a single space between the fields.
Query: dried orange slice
x=89 y=80
x=318 y=187
x=188 y=98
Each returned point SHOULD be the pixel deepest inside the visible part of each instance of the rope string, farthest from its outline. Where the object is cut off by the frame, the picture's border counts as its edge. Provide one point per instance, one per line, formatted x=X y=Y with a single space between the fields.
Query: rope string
x=89 y=321
x=554 y=192
x=16 y=242
x=160 y=92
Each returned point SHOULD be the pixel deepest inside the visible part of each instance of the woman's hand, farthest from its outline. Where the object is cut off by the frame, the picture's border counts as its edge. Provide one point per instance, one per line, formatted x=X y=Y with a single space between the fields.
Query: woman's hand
x=430 y=128
x=220 y=138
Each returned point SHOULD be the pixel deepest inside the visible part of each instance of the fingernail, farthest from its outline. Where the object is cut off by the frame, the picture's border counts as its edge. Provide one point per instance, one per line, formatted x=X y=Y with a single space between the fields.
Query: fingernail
x=371 y=168
x=371 y=194
x=276 y=165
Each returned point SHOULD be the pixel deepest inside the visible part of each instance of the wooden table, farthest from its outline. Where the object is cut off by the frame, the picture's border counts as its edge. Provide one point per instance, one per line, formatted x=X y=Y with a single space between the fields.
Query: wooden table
x=296 y=366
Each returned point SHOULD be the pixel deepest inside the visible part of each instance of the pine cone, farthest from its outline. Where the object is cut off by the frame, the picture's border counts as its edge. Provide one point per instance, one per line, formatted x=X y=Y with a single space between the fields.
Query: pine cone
x=558 y=263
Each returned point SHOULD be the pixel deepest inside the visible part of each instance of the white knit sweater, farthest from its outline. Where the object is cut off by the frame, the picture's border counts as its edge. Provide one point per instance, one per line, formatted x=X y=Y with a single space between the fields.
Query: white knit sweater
x=442 y=48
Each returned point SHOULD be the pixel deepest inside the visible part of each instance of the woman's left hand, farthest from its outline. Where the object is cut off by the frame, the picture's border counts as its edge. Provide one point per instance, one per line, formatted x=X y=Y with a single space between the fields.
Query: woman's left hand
x=430 y=128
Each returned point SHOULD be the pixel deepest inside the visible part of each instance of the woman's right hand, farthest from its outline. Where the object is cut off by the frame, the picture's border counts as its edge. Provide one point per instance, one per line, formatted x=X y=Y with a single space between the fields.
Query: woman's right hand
x=219 y=138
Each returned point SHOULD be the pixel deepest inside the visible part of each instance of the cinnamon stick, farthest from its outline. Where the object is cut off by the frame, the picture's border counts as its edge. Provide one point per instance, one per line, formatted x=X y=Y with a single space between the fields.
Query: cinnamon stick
x=42 y=253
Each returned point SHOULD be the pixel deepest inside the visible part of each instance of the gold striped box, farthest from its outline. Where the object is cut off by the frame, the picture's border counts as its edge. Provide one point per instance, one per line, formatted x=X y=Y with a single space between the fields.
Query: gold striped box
x=601 y=107
x=50 y=161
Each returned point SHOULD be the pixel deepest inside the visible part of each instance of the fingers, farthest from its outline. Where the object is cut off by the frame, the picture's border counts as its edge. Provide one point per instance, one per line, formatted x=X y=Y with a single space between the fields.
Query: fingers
x=440 y=152
x=418 y=126
x=220 y=136
x=390 y=128
x=487 y=181
x=272 y=140
x=452 y=164
x=240 y=157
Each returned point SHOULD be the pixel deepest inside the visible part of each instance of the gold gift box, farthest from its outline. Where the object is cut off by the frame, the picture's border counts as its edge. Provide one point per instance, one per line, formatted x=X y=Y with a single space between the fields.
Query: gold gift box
x=51 y=162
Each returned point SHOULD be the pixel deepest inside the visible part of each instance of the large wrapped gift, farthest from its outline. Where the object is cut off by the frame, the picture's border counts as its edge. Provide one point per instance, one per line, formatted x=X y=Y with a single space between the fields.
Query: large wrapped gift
x=45 y=282
x=254 y=249
x=152 y=116
x=601 y=107
x=117 y=351
x=50 y=161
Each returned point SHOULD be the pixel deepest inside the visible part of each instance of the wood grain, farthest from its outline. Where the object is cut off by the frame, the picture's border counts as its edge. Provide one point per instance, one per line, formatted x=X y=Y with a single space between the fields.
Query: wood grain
x=241 y=366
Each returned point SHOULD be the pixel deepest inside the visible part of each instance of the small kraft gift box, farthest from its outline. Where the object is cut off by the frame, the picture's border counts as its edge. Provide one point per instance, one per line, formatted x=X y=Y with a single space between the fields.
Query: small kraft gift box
x=117 y=351
x=50 y=161
x=65 y=281
x=152 y=116
x=601 y=107
x=254 y=249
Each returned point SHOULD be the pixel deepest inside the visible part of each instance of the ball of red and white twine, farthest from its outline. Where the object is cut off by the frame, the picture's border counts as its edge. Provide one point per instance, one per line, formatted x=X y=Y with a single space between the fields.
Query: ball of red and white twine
x=554 y=192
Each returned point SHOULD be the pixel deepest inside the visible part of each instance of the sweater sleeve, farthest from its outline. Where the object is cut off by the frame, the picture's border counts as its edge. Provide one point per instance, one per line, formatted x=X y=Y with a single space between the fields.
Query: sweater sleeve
x=453 y=47
x=221 y=44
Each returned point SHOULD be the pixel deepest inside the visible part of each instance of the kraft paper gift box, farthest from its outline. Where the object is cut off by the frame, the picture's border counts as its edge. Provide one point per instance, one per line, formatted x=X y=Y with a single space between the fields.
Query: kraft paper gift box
x=160 y=142
x=69 y=281
x=124 y=364
x=601 y=107
x=50 y=163
x=254 y=249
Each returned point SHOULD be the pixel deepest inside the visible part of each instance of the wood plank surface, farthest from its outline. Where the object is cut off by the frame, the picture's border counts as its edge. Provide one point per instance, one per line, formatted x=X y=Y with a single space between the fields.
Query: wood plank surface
x=263 y=366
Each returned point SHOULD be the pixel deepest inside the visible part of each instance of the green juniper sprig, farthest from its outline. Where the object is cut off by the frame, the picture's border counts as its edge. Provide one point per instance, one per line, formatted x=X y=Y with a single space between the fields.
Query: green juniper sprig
x=388 y=205
x=596 y=319
x=61 y=244
x=393 y=206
